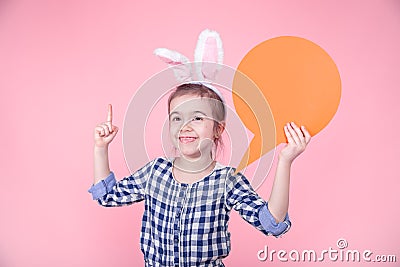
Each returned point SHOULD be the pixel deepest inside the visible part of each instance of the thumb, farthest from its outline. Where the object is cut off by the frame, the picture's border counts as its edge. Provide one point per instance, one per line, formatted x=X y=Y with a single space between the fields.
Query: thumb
x=114 y=132
x=115 y=129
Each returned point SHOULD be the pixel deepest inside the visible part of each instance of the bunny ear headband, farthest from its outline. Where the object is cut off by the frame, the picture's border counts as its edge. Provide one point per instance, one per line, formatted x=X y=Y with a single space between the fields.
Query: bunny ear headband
x=208 y=50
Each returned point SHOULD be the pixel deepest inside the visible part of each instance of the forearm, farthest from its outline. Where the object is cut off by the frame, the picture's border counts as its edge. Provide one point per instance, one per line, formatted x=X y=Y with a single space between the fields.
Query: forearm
x=278 y=202
x=101 y=164
x=298 y=139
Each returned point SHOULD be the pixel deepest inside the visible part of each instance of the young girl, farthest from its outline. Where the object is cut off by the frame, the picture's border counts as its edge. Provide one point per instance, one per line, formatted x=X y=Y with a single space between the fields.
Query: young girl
x=188 y=199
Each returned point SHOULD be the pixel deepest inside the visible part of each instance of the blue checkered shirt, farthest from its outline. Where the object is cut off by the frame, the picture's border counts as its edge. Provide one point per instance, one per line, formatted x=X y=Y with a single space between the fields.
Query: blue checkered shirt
x=187 y=224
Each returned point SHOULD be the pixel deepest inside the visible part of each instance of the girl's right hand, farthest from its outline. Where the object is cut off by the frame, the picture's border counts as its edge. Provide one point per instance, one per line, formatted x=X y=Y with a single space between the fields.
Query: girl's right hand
x=105 y=132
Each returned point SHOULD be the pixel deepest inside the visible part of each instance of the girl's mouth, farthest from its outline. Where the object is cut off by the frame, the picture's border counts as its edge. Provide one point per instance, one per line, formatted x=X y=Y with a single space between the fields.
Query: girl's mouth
x=187 y=139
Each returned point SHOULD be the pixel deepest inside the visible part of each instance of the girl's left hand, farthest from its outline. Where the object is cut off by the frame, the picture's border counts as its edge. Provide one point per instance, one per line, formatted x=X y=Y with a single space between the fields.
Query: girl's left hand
x=298 y=138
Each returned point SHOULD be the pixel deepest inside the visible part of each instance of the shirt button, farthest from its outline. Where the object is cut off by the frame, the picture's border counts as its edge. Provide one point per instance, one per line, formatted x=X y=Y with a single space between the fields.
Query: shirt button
x=177 y=214
x=176 y=240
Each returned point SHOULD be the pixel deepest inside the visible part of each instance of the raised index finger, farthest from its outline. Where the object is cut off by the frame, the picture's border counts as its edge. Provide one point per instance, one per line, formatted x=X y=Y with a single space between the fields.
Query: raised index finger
x=109 y=115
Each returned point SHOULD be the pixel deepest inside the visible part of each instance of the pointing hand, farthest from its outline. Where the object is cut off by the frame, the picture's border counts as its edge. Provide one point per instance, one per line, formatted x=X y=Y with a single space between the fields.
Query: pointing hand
x=105 y=132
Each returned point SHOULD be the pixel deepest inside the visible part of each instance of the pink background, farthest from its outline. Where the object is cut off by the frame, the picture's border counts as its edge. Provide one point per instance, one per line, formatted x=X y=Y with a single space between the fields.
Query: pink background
x=62 y=62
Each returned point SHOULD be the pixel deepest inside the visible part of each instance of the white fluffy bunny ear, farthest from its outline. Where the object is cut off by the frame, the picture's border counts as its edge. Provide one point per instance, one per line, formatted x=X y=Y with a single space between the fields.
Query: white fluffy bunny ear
x=182 y=70
x=208 y=49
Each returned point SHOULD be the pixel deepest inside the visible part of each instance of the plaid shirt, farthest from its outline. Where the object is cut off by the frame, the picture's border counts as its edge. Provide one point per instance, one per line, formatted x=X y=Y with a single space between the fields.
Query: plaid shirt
x=187 y=224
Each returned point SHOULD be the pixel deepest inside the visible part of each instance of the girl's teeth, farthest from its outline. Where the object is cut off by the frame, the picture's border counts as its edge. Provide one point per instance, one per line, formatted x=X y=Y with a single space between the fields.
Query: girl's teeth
x=187 y=139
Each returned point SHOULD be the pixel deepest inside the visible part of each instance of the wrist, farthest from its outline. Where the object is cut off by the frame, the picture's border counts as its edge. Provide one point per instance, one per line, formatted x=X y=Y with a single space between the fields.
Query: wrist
x=285 y=161
x=100 y=148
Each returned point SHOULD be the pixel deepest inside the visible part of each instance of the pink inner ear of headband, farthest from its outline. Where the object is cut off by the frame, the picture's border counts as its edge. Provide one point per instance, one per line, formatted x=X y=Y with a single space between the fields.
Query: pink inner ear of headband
x=210 y=50
x=210 y=55
x=169 y=61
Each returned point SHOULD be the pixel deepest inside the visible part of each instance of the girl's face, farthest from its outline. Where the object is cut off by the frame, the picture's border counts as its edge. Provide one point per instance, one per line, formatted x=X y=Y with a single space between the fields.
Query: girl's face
x=191 y=125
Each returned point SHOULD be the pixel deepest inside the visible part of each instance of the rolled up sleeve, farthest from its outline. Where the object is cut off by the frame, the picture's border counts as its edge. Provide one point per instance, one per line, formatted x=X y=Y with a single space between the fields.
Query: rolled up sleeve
x=270 y=225
x=103 y=187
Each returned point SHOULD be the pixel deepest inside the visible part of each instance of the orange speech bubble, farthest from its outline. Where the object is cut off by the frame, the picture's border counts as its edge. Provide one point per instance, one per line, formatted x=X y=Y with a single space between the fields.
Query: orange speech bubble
x=300 y=83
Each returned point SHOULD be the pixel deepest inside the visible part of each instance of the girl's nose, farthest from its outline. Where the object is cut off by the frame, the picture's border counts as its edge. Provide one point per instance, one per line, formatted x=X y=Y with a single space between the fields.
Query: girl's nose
x=186 y=127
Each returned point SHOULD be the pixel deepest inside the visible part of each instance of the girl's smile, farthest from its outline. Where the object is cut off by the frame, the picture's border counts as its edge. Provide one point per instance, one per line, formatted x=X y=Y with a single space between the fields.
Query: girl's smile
x=187 y=139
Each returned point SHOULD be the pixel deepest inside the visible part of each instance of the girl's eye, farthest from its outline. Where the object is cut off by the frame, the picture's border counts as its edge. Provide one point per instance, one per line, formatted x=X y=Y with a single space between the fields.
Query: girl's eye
x=198 y=118
x=175 y=119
